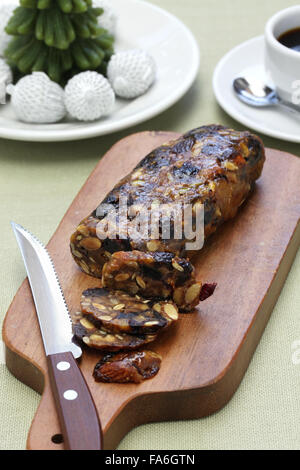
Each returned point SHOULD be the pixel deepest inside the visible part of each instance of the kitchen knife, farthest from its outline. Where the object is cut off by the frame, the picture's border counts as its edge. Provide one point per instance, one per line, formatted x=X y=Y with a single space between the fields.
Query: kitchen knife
x=77 y=413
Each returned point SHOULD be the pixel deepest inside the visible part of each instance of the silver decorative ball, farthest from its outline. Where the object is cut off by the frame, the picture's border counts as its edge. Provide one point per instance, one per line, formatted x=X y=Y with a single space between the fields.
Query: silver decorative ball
x=131 y=73
x=6 y=9
x=89 y=96
x=108 y=19
x=36 y=99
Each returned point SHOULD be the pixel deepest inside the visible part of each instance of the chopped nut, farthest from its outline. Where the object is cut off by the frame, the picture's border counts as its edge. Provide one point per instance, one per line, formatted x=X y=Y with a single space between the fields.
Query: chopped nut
x=140 y=282
x=177 y=266
x=171 y=311
x=87 y=324
x=183 y=191
x=137 y=174
x=244 y=149
x=122 y=277
x=132 y=264
x=192 y=293
x=84 y=267
x=83 y=230
x=95 y=338
x=178 y=296
x=144 y=306
x=152 y=246
x=95 y=304
x=85 y=304
x=151 y=323
x=197 y=148
x=230 y=166
x=77 y=254
x=212 y=186
x=119 y=307
x=91 y=244
x=106 y=318
x=109 y=338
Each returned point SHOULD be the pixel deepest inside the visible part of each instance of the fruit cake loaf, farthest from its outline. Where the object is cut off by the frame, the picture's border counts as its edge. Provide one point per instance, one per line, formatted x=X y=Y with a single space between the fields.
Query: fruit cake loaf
x=212 y=166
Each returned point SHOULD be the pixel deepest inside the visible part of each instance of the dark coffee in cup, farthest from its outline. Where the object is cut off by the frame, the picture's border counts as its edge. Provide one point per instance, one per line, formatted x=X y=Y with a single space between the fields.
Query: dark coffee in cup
x=291 y=39
x=282 y=53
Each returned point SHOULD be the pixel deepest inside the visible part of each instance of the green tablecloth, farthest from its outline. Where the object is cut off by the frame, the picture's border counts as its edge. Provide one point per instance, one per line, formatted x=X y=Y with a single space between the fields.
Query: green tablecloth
x=38 y=183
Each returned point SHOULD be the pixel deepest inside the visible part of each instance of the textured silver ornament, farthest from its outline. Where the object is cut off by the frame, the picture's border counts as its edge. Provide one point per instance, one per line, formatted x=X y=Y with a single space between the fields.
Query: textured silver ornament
x=6 y=77
x=89 y=96
x=6 y=9
x=108 y=19
x=131 y=73
x=35 y=98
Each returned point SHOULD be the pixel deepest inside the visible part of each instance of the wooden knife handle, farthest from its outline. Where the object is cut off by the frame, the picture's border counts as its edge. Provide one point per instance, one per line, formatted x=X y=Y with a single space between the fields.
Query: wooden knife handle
x=77 y=413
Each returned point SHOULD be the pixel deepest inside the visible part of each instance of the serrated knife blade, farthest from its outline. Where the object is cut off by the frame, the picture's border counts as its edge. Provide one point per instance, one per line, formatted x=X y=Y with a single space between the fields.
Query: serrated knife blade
x=77 y=413
x=52 y=311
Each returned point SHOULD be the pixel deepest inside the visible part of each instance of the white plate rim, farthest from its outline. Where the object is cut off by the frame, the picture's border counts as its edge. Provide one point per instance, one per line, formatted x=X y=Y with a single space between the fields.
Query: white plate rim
x=101 y=129
x=229 y=107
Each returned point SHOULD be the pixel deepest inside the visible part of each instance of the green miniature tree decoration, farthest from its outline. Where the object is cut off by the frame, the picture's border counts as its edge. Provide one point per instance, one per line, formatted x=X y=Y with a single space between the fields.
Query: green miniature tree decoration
x=58 y=37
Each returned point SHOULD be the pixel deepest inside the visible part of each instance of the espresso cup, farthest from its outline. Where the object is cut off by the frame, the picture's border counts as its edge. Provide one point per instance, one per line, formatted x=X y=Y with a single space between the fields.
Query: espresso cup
x=282 y=63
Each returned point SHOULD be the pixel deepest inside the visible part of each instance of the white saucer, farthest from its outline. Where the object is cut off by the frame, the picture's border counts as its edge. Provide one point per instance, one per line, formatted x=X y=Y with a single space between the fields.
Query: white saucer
x=248 y=58
x=140 y=25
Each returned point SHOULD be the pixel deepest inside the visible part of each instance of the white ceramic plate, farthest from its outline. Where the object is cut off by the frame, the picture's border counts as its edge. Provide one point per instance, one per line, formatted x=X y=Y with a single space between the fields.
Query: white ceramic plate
x=141 y=25
x=248 y=58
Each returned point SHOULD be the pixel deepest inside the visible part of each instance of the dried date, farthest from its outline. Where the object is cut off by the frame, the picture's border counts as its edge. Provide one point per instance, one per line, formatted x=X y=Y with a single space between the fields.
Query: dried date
x=127 y=367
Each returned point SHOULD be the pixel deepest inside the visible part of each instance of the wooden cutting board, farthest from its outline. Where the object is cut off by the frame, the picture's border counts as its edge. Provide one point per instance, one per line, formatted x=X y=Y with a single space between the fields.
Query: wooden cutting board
x=207 y=353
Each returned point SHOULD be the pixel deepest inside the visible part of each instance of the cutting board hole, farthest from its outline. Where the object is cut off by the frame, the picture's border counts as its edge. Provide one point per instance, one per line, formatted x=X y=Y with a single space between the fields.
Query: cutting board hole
x=57 y=439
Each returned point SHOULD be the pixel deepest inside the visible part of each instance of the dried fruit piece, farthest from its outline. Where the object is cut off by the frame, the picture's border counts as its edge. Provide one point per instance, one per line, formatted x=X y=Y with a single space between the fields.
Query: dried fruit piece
x=117 y=311
x=96 y=338
x=207 y=290
x=127 y=367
